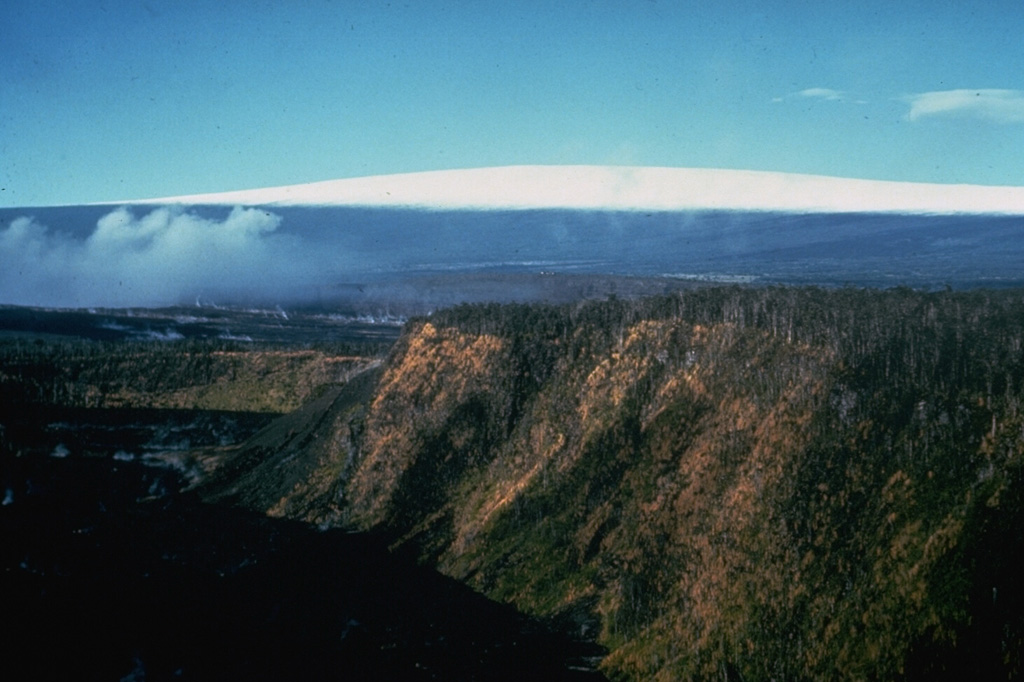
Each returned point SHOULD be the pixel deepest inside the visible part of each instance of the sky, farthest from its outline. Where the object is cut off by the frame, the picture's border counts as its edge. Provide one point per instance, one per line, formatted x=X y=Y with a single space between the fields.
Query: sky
x=110 y=100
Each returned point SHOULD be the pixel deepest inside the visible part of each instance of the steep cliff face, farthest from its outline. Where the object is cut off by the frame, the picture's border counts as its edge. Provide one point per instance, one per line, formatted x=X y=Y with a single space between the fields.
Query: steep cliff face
x=728 y=482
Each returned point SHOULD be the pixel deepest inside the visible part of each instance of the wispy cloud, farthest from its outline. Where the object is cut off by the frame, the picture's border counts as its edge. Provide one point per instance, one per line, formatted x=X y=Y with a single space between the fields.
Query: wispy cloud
x=994 y=105
x=819 y=94
x=822 y=93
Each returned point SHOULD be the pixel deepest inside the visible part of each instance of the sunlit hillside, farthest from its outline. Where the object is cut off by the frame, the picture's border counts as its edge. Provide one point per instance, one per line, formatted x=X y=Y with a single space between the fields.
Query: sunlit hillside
x=759 y=483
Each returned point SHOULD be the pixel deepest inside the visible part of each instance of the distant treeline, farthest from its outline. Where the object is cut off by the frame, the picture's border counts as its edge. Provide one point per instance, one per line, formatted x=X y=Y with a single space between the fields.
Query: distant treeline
x=189 y=373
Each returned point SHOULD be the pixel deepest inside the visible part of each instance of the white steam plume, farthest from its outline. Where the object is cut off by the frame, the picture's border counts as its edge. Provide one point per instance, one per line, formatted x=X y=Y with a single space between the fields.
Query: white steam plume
x=166 y=256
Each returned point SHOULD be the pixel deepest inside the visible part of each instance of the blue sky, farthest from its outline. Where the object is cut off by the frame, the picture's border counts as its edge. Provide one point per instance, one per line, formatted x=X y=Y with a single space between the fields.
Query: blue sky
x=112 y=100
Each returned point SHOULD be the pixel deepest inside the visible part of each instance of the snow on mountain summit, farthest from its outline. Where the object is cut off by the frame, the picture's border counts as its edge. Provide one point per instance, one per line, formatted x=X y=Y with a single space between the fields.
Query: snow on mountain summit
x=626 y=188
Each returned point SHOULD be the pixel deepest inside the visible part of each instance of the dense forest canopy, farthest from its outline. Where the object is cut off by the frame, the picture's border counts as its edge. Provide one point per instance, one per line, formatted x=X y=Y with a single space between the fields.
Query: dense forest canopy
x=733 y=482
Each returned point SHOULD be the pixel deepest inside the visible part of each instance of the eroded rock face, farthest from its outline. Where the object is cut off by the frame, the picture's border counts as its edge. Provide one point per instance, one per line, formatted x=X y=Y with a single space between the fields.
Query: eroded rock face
x=775 y=483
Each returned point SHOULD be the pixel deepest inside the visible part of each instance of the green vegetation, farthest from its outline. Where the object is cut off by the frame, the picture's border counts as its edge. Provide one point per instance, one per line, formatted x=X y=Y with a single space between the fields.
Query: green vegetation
x=195 y=374
x=723 y=483
x=728 y=483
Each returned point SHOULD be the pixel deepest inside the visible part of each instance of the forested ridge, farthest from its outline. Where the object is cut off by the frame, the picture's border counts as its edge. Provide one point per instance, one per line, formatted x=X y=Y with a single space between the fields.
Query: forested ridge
x=741 y=483
x=192 y=374
x=723 y=483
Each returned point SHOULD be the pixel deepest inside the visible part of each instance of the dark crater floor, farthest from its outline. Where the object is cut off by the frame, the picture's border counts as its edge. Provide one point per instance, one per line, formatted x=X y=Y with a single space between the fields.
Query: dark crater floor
x=101 y=579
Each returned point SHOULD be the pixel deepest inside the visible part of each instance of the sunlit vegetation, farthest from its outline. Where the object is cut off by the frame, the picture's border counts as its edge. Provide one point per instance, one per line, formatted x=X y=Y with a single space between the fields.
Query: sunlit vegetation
x=727 y=483
x=193 y=374
x=724 y=483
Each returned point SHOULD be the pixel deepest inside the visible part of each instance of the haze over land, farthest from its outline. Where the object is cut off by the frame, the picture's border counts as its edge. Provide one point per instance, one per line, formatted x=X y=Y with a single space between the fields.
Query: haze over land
x=328 y=242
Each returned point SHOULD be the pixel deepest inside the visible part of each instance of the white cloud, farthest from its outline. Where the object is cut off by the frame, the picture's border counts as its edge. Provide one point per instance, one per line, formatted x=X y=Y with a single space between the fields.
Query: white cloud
x=998 y=106
x=171 y=234
x=822 y=93
x=165 y=256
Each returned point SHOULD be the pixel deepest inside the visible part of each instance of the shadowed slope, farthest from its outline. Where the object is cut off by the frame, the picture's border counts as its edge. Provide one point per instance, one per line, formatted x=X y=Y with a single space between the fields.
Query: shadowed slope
x=99 y=584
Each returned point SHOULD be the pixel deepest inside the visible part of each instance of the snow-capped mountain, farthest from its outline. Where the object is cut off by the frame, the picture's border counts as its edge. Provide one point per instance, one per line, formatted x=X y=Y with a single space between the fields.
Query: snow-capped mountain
x=627 y=188
x=326 y=240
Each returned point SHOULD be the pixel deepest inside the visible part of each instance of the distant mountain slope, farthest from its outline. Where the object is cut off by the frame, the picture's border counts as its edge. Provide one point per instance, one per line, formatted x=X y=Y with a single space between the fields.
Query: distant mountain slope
x=380 y=261
x=369 y=242
x=627 y=188
x=752 y=483
x=296 y=466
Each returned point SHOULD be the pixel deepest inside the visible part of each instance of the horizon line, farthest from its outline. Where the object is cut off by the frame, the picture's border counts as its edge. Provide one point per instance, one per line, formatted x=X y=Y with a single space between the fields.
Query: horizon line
x=615 y=187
